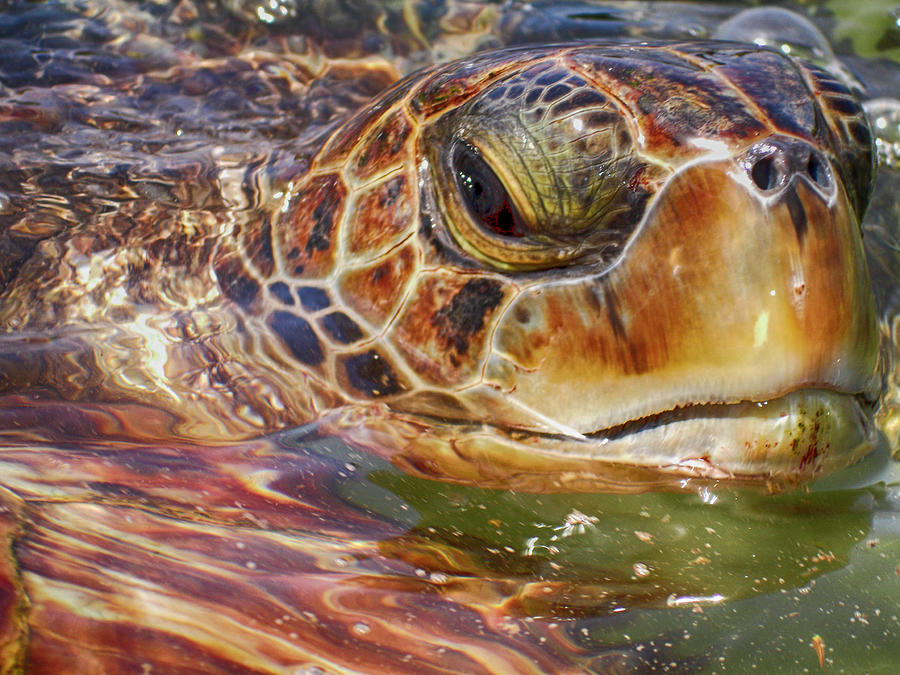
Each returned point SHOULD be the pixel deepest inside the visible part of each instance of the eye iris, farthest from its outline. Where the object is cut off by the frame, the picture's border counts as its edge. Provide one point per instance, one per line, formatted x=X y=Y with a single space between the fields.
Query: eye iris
x=484 y=193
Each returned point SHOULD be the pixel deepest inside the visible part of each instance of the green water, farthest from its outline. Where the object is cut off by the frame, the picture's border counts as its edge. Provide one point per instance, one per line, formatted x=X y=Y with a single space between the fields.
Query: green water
x=721 y=580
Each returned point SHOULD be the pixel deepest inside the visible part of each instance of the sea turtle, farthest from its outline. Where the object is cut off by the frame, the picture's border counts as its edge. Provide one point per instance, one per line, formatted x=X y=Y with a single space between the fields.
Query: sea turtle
x=537 y=266
x=557 y=267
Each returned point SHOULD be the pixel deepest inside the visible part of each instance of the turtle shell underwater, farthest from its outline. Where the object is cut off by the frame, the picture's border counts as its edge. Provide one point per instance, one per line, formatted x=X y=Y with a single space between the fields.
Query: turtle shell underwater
x=549 y=267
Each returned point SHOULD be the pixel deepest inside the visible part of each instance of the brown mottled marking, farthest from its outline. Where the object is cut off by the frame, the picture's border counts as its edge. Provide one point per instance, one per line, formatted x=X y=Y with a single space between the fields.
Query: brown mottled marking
x=346 y=139
x=258 y=245
x=445 y=325
x=381 y=214
x=447 y=87
x=236 y=284
x=383 y=146
x=672 y=100
x=464 y=317
x=307 y=237
x=374 y=291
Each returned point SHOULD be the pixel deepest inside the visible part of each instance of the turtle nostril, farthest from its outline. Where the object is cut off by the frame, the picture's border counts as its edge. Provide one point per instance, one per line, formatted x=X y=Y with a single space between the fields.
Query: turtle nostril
x=818 y=170
x=765 y=173
x=775 y=162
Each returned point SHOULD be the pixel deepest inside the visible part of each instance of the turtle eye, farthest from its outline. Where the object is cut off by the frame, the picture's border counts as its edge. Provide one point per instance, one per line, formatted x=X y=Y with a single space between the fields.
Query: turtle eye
x=483 y=193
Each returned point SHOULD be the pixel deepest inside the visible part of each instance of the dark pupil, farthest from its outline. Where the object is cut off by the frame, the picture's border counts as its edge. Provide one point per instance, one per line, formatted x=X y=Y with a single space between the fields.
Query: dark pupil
x=483 y=192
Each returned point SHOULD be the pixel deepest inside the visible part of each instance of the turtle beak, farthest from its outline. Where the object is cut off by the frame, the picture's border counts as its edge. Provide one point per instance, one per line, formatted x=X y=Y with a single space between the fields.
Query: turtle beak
x=746 y=281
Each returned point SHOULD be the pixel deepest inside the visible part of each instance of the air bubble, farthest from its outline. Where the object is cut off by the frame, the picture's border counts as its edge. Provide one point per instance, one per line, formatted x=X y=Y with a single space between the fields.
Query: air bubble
x=884 y=117
x=780 y=29
x=787 y=32
x=640 y=569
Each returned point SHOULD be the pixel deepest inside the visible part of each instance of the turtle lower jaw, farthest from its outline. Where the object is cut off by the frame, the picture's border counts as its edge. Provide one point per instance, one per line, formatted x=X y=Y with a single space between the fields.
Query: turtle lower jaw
x=794 y=437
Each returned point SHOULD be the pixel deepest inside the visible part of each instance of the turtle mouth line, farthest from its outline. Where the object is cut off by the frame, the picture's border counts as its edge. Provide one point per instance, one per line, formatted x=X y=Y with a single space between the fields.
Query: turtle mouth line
x=685 y=413
x=690 y=411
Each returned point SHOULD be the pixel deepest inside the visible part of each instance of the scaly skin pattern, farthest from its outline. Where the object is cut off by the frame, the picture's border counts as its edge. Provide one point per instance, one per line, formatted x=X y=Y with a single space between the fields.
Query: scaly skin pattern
x=658 y=307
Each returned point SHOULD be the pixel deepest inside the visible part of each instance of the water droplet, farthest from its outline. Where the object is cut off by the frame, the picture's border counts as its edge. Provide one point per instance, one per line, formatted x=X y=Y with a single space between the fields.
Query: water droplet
x=884 y=115
x=308 y=670
x=343 y=560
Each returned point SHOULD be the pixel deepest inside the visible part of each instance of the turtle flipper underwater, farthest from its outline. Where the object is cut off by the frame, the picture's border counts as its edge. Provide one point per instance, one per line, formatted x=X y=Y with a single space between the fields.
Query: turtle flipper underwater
x=549 y=267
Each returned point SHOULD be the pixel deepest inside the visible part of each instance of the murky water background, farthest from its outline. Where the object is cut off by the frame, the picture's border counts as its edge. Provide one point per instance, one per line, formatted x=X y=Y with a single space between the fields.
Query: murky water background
x=299 y=554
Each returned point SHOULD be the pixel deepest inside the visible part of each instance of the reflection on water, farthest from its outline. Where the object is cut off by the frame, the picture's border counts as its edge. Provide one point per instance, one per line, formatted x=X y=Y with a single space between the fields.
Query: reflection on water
x=297 y=553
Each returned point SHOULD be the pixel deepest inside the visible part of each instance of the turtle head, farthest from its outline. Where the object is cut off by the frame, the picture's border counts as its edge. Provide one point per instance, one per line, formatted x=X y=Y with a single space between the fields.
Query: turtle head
x=646 y=255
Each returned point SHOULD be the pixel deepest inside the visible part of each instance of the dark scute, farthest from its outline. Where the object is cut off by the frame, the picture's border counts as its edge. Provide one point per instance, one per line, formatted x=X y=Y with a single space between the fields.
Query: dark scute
x=262 y=251
x=281 y=291
x=552 y=77
x=579 y=101
x=371 y=375
x=843 y=105
x=555 y=92
x=859 y=132
x=342 y=328
x=239 y=288
x=320 y=237
x=826 y=83
x=299 y=336
x=588 y=97
x=774 y=85
x=313 y=299
x=464 y=316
